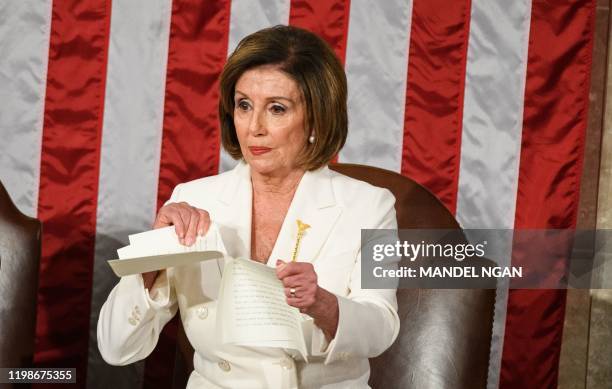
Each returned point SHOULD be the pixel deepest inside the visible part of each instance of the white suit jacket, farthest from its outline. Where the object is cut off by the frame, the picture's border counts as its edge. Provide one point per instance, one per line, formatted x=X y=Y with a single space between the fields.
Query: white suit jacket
x=337 y=208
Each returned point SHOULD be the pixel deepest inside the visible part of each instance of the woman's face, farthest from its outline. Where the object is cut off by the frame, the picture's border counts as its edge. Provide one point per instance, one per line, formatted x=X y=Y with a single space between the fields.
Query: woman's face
x=269 y=116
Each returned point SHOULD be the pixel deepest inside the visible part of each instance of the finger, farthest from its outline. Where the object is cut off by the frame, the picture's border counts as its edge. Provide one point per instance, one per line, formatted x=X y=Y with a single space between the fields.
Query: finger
x=163 y=218
x=294 y=302
x=158 y=223
x=294 y=281
x=190 y=235
x=296 y=293
x=203 y=222
x=168 y=216
x=301 y=302
x=304 y=271
x=175 y=219
x=179 y=228
x=280 y=265
x=184 y=214
x=291 y=268
x=300 y=291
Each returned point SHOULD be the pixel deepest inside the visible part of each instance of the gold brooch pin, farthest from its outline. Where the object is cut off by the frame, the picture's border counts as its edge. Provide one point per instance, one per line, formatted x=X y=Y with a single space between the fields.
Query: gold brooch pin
x=302 y=227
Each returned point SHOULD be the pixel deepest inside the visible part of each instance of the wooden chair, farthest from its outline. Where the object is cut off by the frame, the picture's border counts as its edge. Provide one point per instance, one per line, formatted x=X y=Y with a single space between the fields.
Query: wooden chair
x=445 y=334
x=19 y=262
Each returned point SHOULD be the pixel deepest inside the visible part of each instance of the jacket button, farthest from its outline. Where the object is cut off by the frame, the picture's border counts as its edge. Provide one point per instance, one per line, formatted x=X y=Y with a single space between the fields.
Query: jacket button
x=224 y=365
x=202 y=312
x=136 y=313
x=286 y=364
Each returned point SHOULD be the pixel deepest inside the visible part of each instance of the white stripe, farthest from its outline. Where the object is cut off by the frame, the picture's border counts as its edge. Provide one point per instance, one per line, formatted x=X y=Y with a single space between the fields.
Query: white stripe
x=376 y=68
x=130 y=153
x=24 y=43
x=492 y=128
x=248 y=16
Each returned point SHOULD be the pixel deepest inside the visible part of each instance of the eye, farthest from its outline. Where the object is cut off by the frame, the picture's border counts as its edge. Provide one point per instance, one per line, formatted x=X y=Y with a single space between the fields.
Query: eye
x=243 y=105
x=277 y=109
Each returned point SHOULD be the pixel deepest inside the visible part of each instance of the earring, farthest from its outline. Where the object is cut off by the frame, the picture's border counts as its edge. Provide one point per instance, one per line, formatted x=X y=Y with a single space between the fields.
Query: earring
x=311 y=139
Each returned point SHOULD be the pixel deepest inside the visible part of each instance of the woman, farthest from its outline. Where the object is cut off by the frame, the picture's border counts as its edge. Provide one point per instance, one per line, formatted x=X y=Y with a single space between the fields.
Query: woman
x=283 y=115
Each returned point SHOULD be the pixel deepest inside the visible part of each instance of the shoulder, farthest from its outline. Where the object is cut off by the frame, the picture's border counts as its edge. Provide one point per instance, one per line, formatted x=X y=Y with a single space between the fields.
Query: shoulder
x=353 y=192
x=194 y=189
x=365 y=205
x=206 y=182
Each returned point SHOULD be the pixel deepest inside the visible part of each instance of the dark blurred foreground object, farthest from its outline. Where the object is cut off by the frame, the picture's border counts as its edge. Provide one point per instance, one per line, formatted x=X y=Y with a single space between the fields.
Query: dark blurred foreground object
x=445 y=334
x=19 y=263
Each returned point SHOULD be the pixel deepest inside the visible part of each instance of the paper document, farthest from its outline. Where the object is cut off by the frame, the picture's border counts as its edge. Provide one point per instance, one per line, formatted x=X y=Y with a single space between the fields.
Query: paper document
x=125 y=267
x=160 y=249
x=252 y=309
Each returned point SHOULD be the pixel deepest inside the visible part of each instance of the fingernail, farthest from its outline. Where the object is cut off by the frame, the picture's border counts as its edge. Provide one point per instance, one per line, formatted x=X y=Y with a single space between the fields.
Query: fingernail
x=201 y=232
x=189 y=241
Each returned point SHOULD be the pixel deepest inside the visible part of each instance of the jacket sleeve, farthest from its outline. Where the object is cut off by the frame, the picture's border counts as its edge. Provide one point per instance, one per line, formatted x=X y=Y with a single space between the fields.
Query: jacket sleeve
x=132 y=317
x=368 y=322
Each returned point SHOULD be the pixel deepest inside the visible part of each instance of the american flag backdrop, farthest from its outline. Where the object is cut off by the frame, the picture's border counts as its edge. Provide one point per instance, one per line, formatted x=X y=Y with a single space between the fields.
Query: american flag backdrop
x=106 y=105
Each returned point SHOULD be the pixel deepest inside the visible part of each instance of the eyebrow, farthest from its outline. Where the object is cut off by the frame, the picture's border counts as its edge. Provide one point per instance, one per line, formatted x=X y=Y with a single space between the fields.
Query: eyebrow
x=269 y=98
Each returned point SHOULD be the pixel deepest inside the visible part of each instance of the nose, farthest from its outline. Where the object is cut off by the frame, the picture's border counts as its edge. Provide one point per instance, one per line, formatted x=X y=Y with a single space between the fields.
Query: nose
x=256 y=123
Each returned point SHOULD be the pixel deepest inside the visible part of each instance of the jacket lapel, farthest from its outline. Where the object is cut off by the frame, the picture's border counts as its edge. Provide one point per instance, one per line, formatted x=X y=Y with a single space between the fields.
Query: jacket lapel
x=237 y=198
x=314 y=203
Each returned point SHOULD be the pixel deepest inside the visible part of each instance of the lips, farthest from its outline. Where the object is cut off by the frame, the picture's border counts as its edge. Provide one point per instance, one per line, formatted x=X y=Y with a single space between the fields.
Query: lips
x=256 y=150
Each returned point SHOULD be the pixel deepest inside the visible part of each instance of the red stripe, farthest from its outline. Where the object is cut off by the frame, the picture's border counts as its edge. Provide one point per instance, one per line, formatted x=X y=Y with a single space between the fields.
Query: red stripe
x=196 y=55
x=72 y=132
x=434 y=96
x=328 y=19
x=190 y=146
x=554 y=126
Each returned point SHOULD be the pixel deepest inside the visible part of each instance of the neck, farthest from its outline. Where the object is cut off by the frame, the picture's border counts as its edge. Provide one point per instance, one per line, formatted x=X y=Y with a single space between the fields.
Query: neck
x=285 y=184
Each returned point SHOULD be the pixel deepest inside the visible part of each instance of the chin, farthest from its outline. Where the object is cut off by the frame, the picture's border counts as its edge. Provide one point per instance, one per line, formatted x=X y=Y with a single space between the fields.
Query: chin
x=267 y=167
x=262 y=166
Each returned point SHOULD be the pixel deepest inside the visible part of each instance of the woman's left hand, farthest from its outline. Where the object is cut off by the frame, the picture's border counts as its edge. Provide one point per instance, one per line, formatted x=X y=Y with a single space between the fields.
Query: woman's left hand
x=301 y=279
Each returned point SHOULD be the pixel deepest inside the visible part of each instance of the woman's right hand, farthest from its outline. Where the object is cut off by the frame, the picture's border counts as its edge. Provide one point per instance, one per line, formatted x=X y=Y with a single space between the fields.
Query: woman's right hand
x=188 y=221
